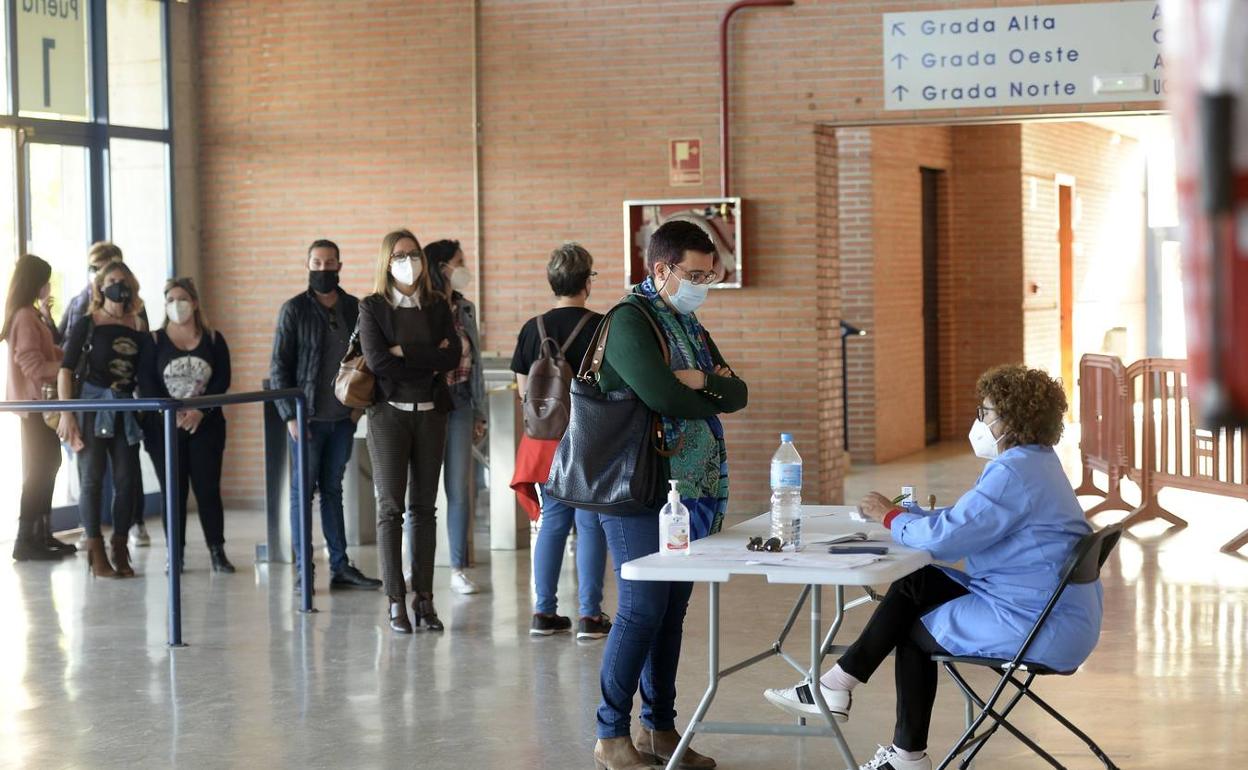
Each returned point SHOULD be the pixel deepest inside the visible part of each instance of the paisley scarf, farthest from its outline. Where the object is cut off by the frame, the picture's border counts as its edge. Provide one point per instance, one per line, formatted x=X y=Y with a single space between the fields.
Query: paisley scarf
x=701 y=461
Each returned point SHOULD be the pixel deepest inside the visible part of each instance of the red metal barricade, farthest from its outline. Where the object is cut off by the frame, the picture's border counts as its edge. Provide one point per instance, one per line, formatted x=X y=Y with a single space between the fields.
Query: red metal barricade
x=1137 y=422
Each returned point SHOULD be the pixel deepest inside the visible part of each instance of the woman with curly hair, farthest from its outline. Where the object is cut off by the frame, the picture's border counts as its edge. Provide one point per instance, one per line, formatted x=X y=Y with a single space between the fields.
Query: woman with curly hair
x=1015 y=528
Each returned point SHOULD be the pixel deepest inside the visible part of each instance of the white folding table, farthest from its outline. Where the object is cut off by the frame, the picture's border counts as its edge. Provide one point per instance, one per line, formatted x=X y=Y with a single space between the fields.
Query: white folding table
x=714 y=560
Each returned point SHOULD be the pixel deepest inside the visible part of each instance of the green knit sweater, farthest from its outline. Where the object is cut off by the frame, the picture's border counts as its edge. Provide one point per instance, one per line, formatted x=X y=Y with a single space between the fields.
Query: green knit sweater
x=634 y=358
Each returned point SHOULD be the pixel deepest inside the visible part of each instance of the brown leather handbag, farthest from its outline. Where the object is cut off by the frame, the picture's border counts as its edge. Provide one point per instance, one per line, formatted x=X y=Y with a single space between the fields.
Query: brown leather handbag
x=354 y=384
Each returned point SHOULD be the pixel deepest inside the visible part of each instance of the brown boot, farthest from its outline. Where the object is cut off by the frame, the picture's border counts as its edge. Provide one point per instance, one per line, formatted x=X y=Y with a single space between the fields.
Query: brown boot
x=97 y=558
x=658 y=746
x=617 y=754
x=121 y=557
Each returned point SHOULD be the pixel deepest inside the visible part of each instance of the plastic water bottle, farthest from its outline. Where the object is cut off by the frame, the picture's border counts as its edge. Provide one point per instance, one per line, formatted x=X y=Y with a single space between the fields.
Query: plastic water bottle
x=786 y=494
x=674 y=525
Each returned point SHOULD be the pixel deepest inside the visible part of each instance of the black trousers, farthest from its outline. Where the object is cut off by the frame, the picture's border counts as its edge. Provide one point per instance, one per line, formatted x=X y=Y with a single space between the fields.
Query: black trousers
x=403 y=444
x=200 y=456
x=94 y=458
x=41 y=459
x=896 y=626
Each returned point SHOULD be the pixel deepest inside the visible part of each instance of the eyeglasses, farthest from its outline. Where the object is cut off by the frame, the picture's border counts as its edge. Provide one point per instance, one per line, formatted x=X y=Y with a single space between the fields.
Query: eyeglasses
x=410 y=256
x=697 y=277
x=593 y=273
x=981 y=412
x=771 y=545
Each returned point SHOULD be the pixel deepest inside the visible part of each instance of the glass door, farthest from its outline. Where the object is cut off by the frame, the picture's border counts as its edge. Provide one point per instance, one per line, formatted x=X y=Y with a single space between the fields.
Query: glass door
x=10 y=473
x=58 y=215
x=84 y=156
x=58 y=228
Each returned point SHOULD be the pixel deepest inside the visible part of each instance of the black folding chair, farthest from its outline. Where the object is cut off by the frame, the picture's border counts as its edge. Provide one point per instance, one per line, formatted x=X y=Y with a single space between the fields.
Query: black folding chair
x=1084 y=566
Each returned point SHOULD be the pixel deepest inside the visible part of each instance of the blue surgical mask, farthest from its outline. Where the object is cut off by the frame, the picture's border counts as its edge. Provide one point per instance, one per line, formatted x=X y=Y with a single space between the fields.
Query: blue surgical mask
x=688 y=296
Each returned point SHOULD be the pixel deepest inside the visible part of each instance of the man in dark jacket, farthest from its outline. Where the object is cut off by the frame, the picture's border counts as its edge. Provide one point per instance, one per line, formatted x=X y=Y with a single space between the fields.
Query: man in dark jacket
x=313 y=330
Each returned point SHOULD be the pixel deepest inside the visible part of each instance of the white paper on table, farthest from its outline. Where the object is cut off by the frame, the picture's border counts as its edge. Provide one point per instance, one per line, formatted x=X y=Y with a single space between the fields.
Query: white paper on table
x=858 y=515
x=800 y=559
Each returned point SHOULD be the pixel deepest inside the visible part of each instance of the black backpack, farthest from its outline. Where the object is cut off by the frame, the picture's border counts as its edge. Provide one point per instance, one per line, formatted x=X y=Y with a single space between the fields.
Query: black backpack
x=547 y=404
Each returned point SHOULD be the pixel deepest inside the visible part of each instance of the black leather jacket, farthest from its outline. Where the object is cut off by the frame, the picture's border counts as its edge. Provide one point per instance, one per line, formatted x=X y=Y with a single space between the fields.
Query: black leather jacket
x=296 y=359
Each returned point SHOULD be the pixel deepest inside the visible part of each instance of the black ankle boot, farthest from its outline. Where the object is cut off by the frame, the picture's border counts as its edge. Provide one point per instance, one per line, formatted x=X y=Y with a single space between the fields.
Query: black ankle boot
x=43 y=534
x=220 y=562
x=397 y=614
x=26 y=550
x=30 y=547
x=422 y=608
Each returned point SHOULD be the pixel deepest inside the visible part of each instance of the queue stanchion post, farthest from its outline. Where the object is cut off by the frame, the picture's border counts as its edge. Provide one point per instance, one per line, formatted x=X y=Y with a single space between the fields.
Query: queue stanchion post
x=173 y=525
x=305 y=513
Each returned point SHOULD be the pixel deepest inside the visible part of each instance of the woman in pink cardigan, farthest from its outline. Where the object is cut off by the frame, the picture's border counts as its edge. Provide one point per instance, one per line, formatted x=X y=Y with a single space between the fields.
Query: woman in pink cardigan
x=34 y=360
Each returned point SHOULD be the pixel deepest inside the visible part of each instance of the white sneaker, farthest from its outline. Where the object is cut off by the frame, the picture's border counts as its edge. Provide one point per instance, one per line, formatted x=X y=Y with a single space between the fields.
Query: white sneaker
x=139 y=537
x=886 y=759
x=460 y=583
x=800 y=701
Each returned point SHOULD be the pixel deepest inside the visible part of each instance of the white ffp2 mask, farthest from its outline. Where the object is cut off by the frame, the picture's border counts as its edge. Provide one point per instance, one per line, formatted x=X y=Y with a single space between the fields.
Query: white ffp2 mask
x=405 y=271
x=983 y=442
x=179 y=310
x=461 y=279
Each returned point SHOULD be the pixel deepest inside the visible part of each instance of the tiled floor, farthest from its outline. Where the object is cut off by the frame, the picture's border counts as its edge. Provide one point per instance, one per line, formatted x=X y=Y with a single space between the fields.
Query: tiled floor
x=87 y=682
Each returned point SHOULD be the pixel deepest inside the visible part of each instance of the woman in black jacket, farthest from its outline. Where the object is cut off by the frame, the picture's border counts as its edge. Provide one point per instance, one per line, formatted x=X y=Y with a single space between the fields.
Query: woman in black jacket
x=191 y=359
x=409 y=340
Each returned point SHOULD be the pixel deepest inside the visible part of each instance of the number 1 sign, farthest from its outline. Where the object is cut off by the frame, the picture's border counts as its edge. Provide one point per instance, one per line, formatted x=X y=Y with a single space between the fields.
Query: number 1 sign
x=52 y=58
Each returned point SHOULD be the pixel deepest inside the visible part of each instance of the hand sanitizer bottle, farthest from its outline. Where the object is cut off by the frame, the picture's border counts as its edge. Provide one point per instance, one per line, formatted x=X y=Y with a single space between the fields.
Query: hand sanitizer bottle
x=674 y=525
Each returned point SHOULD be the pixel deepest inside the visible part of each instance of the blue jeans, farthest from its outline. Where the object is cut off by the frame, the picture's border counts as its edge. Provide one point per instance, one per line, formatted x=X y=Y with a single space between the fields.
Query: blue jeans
x=591 y=557
x=456 y=469
x=329 y=449
x=644 y=645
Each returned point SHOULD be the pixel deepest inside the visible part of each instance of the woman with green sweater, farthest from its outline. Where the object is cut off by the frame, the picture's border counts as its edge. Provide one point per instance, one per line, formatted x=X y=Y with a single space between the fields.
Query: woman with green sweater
x=643 y=648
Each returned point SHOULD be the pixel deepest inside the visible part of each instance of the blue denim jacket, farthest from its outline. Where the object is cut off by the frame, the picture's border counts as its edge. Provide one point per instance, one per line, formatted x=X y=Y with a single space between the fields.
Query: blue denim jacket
x=106 y=422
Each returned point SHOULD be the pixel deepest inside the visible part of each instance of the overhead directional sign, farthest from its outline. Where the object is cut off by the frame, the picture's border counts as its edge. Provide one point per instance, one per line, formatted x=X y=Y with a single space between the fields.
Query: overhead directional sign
x=1002 y=57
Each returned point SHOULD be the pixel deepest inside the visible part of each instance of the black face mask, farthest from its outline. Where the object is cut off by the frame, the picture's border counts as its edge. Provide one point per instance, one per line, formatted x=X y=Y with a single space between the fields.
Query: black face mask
x=118 y=292
x=323 y=281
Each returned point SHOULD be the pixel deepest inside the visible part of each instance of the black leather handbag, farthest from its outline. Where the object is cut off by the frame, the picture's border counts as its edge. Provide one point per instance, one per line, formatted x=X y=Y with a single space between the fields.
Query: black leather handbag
x=612 y=459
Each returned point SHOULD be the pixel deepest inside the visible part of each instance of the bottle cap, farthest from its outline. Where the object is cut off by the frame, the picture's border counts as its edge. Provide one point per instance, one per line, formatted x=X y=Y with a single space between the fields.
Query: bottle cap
x=673 y=496
x=786 y=438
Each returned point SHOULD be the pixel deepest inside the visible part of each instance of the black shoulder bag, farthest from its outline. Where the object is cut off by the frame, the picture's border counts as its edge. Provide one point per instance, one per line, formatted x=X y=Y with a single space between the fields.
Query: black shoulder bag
x=611 y=459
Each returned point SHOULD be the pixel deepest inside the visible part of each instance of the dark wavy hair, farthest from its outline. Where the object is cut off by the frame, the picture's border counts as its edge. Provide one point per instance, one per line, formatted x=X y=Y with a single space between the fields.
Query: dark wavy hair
x=439 y=253
x=1030 y=403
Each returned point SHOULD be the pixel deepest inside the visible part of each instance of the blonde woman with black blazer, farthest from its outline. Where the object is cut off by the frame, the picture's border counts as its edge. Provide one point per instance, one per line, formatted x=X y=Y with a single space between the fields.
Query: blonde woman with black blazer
x=409 y=340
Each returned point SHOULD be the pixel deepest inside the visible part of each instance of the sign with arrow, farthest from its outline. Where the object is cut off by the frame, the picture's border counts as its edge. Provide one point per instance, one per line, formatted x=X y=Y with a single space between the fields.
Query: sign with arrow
x=1003 y=57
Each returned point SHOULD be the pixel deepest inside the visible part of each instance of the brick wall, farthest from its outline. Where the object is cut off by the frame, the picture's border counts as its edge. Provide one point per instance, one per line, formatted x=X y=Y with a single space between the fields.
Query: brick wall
x=321 y=118
x=832 y=456
x=979 y=263
x=898 y=335
x=857 y=240
x=986 y=296
x=320 y=121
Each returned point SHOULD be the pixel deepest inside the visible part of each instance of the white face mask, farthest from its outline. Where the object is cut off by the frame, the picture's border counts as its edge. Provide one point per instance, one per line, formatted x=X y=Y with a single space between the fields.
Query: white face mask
x=179 y=310
x=983 y=442
x=461 y=279
x=405 y=271
x=688 y=296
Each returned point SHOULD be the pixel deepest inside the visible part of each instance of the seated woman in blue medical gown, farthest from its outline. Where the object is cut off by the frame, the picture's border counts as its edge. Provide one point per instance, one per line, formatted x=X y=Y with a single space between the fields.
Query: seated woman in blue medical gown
x=1015 y=529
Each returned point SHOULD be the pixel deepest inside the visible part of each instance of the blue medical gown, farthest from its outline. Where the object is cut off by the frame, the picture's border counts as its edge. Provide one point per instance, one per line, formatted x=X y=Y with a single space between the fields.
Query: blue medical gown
x=1015 y=528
